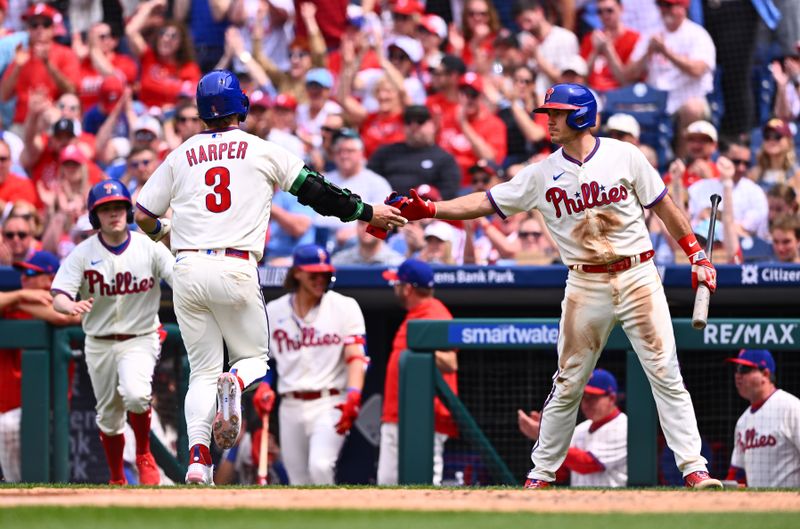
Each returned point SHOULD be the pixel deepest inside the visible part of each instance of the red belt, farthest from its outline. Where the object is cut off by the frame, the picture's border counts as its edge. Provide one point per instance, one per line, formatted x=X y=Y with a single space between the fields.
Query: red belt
x=617 y=266
x=117 y=337
x=230 y=252
x=310 y=395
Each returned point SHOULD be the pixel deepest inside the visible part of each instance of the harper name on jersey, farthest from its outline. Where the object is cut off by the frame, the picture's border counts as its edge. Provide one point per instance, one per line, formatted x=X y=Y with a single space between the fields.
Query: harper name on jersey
x=214 y=152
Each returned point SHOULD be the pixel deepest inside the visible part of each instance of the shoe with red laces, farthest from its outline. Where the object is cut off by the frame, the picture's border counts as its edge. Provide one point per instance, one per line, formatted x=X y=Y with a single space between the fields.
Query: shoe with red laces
x=148 y=470
x=701 y=480
x=531 y=483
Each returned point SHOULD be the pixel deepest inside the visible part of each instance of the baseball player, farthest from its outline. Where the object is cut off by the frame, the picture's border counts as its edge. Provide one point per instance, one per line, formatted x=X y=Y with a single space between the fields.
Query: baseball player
x=766 y=449
x=117 y=273
x=598 y=452
x=592 y=193
x=219 y=184
x=317 y=341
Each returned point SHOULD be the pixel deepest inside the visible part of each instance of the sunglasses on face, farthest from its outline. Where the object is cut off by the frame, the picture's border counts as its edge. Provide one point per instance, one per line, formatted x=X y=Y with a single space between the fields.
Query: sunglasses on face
x=526 y=234
x=139 y=163
x=605 y=10
x=743 y=370
x=477 y=14
x=329 y=130
x=772 y=136
x=184 y=119
x=104 y=36
x=523 y=81
x=480 y=181
x=40 y=23
x=415 y=121
x=400 y=17
x=144 y=135
x=735 y=161
x=397 y=56
x=471 y=94
x=4 y=158
x=17 y=234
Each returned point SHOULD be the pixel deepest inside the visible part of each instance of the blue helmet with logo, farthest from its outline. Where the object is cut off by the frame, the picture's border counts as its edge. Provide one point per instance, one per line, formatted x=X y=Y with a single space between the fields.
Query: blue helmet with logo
x=104 y=192
x=573 y=97
x=219 y=95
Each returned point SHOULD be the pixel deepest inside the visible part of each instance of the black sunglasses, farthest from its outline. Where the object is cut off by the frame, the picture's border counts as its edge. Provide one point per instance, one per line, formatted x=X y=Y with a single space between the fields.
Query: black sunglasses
x=17 y=234
x=743 y=369
x=534 y=234
x=472 y=94
x=774 y=136
x=736 y=161
x=418 y=121
x=42 y=23
x=184 y=119
x=139 y=163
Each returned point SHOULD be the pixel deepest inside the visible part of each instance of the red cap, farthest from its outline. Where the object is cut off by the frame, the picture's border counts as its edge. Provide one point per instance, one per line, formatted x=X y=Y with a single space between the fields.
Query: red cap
x=285 y=101
x=111 y=89
x=259 y=98
x=3 y=5
x=408 y=7
x=71 y=153
x=40 y=9
x=472 y=80
x=684 y=3
x=779 y=126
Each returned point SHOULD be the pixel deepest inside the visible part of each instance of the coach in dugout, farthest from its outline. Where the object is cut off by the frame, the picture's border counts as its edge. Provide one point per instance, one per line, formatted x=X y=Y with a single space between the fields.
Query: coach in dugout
x=766 y=449
x=598 y=453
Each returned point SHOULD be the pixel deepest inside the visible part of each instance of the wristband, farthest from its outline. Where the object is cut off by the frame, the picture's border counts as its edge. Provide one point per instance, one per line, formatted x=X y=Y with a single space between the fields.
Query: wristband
x=352 y=389
x=158 y=228
x=690 y=245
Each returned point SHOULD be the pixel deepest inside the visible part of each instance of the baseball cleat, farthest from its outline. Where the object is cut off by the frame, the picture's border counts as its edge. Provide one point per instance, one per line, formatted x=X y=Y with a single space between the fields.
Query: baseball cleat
x=228 y=419
x=200 y=474
x=531 y=483
x=148 y=470
x=701 y=480
x=120 y=482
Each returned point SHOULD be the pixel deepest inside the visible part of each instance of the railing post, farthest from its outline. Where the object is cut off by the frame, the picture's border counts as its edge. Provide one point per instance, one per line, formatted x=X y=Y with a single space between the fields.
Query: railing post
x=60 y=383
x=415 y=413
x=35 y=427
x=643 y=426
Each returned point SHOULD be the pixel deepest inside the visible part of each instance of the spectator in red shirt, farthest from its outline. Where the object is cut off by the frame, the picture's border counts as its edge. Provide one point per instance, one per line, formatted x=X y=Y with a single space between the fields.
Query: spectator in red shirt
x=606 y=50
x=33 y=301
x=406 y=14
x=100 y=60
x=168 y=67
x=331 y=16
x=12 y=186
x=480 y=24
x=475 y=132
x=381 y=127
x=444 y=85
x=413 y=286
x=45 y=66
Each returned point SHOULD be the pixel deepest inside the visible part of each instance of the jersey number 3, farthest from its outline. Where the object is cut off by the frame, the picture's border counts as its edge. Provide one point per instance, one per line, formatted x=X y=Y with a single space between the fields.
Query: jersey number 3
x=220 y=199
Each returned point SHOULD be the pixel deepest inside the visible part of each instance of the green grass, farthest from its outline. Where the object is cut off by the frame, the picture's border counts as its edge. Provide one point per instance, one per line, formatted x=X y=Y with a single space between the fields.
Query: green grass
x=130 y=518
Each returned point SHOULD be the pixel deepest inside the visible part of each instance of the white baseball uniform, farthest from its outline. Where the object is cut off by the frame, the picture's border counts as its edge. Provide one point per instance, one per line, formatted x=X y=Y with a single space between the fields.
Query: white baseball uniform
x=309 y=358
x=594 y=210
x=122 y=343
x=608 y=443
x=219 y=184
x=767 y=442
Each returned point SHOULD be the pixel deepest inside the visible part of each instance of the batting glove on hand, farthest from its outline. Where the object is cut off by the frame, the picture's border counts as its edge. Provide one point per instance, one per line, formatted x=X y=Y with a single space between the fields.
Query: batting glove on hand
x=703 y=271
x=416 y=208
x=163 y=227
x=350 y=409
x=395 y=199
x=264 y=399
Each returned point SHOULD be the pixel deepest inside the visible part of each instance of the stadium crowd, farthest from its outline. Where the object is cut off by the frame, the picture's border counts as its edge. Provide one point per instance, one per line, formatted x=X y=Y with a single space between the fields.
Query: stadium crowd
x=404 y=94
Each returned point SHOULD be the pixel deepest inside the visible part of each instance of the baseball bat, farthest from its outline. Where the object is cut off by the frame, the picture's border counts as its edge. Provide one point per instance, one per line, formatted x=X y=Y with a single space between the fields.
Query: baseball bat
x=263 y=450
x=703 y=295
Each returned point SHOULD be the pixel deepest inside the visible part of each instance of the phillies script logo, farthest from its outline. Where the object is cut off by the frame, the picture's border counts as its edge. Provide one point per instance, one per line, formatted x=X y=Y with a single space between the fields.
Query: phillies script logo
x=309 y=337
x=591 y=195
x=753 y=440
x=123 y=283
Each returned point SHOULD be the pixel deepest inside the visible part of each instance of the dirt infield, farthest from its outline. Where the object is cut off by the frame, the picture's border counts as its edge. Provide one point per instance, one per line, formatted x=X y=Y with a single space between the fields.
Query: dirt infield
x=512 y=500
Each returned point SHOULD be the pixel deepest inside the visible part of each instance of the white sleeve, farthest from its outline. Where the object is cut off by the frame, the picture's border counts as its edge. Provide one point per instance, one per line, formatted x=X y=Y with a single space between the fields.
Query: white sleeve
x=792 y=425
x=154 y=197
x=640 y=48
x=521 y=193
x=647 y=183
x=704 y=49
x=614 y=446
x=164 y=262
x=353 y=320
x=69 y=277
x=737 y=456
x=284 y=167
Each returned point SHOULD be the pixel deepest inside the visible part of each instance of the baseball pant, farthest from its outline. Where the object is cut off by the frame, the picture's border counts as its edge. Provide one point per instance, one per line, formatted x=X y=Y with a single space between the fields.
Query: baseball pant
x=10 y=454
x=310 y=445
x=389 y=457
x=592 y=305
x=218 y=298
x=122 y=377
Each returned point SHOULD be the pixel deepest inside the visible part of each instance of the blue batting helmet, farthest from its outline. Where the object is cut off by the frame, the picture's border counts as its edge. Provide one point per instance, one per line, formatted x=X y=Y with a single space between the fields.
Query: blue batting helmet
x=104 y=192
x=219 y=95
x=573 y=97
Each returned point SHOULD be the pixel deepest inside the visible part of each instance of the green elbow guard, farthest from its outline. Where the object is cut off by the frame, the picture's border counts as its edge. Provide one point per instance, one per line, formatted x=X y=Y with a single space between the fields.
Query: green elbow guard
x=326 y=198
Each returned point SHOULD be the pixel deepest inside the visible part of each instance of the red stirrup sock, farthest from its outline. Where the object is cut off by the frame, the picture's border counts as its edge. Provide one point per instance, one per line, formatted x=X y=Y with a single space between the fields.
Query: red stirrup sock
x=114 y=446
x=140 y=422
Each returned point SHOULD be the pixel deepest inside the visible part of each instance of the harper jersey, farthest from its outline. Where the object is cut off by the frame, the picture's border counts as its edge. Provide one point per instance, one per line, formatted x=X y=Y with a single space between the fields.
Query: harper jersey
x=767 y=442
x=608 y=443
x=219 y=184
x=308 y=351
x=593 y=209
x=124 y=282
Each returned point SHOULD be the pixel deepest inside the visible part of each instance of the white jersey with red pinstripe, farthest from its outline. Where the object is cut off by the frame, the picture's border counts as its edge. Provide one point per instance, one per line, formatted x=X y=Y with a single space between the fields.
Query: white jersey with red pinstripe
x=594 y=209
x=309 y=352
x=608 y=443
x=219 y=185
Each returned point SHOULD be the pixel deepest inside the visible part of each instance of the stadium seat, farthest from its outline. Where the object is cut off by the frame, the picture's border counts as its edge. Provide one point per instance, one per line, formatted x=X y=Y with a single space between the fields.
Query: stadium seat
x=755 y=249
x=716 y=101
x=649 y=106
x=764 y=91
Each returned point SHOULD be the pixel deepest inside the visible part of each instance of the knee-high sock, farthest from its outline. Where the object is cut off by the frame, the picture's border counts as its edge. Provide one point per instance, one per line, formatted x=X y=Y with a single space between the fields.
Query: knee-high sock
x=140 y=422
x=114 y=446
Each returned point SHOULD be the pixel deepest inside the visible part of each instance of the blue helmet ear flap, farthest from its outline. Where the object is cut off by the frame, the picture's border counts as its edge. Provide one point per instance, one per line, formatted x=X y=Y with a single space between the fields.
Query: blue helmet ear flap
x=246 y=105
x=581 y=118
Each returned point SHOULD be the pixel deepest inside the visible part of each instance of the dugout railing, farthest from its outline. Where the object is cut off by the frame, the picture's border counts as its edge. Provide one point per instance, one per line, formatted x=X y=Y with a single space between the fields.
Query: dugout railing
x=420 y=381
x=44 y=429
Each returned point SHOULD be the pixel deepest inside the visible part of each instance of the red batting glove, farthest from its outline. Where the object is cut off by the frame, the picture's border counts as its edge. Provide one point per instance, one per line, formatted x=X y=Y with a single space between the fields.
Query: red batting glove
x=416 y=208
x=264 y=399
x=350 y=409
x=702 y=269
x=394 y=199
